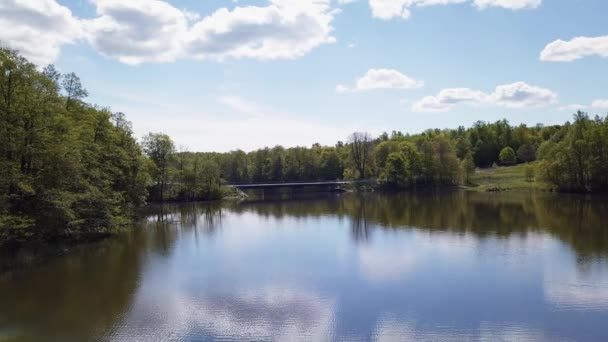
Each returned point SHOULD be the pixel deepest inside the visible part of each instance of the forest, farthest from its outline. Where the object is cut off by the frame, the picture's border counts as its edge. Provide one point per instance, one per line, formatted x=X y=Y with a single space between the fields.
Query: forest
x=69 y=168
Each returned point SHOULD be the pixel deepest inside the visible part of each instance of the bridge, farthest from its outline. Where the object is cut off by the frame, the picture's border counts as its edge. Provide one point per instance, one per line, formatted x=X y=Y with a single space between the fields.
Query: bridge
x=291 y=185
x=263 y=189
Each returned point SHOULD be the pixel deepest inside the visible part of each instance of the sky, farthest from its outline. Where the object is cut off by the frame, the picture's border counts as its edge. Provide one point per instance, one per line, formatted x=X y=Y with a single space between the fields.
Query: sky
x=219 y=75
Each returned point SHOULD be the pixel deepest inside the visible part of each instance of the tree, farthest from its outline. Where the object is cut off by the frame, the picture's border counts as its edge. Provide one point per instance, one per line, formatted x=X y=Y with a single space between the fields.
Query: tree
x=575 y=158
x=526 y=153
x=360 y=151
x=446 y=161
x=529 y=173
x=73 y=89
x=382 y=151
x=468 y=168
x=395 y=173
x=276 y=159
x=507 y=156
x=52 y=74
x=160 y=149
x=60 y=173
x=463 y=147
x=119 y=119
x=331 y=166
x=210 y=184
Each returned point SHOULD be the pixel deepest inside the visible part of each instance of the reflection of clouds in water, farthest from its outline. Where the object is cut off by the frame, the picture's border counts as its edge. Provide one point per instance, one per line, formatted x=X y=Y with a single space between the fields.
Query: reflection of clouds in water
x=567 y=287
x=387 y=257
x=384 y=260
x=577 y=295
x=511 y=332
x=391 y=329
x=274 y=313
x=381 y=264
x=245 y=232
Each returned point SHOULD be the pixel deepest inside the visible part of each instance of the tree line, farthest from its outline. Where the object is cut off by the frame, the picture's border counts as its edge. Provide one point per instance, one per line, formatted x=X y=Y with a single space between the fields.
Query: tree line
x=67 y=166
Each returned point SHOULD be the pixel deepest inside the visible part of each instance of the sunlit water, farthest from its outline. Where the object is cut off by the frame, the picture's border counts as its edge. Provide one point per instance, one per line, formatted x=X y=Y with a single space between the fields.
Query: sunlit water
x=411 y=267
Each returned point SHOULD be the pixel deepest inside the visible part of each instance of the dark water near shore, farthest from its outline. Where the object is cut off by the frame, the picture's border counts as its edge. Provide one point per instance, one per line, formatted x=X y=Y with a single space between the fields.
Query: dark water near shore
x=410 y=267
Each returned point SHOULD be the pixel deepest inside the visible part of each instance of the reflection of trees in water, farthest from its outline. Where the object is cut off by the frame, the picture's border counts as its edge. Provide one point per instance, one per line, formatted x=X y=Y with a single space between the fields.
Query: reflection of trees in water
x=577 y=220
x=85 y=292
x=170 y=220
x=360 y=225
x=74 y=297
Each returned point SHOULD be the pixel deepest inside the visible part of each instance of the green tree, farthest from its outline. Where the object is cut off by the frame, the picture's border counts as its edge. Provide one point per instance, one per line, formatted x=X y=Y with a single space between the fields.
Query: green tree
x=73 y=89
x=160 y=149
x=447 y=161
x=468 y=168
x=575 y=157
x=62 y=172
x=382 y=151
x=395 y=173
x=331 y=167
x=361 y=146
x=526 y=153
x=507 y=156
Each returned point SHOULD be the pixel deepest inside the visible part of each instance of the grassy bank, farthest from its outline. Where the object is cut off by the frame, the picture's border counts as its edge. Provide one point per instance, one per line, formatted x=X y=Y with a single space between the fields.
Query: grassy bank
x=505 y=178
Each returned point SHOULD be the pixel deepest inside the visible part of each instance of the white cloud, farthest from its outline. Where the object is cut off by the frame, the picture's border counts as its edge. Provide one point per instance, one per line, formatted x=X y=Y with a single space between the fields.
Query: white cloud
x=143 y=31
x=600 y=104
x=388 y=9
x=381 y=79
x=577 y=48
x=515 y=95
x=37 y=28
x=572 y=107
x=137 y=31
x=508 y=4
x=596 y=104
x=284 y=29
x=520 y=94
x=447 y=98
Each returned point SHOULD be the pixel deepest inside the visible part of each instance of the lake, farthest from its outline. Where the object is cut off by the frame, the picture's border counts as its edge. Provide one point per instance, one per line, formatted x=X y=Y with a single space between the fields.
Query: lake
x=448 y=266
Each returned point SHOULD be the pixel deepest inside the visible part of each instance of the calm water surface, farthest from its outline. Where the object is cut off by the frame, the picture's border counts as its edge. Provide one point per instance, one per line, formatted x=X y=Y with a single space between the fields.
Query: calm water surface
x=410 y=267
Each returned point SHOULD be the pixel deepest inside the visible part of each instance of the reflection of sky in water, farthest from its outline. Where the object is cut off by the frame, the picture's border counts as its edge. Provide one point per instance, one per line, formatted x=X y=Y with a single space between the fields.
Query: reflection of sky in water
x=311 y=279
x=260 y=314
x=570 y=287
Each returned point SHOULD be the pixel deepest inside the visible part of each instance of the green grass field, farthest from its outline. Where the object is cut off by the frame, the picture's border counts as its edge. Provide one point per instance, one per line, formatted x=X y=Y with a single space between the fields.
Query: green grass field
x=505 y=178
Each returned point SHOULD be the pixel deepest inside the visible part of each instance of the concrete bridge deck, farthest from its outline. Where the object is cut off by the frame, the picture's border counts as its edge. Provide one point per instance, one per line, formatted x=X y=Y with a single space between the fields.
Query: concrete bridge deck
x=293 y=184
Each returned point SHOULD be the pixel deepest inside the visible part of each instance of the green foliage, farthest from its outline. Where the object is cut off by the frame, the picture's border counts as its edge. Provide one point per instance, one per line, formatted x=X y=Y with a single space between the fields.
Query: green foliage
x=489 y=139
x=361 y=147
x=526 y=153
x=396 y=171
x=74 y=91
x=426 y=161
x=65 y=168
x=468 y=168
x=160 y=149
x=529 y=173
x=507 y=156
x=576 y=157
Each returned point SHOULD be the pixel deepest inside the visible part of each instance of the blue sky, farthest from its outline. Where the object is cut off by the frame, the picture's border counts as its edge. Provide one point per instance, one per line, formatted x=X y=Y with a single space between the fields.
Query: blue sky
x=218 y=75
